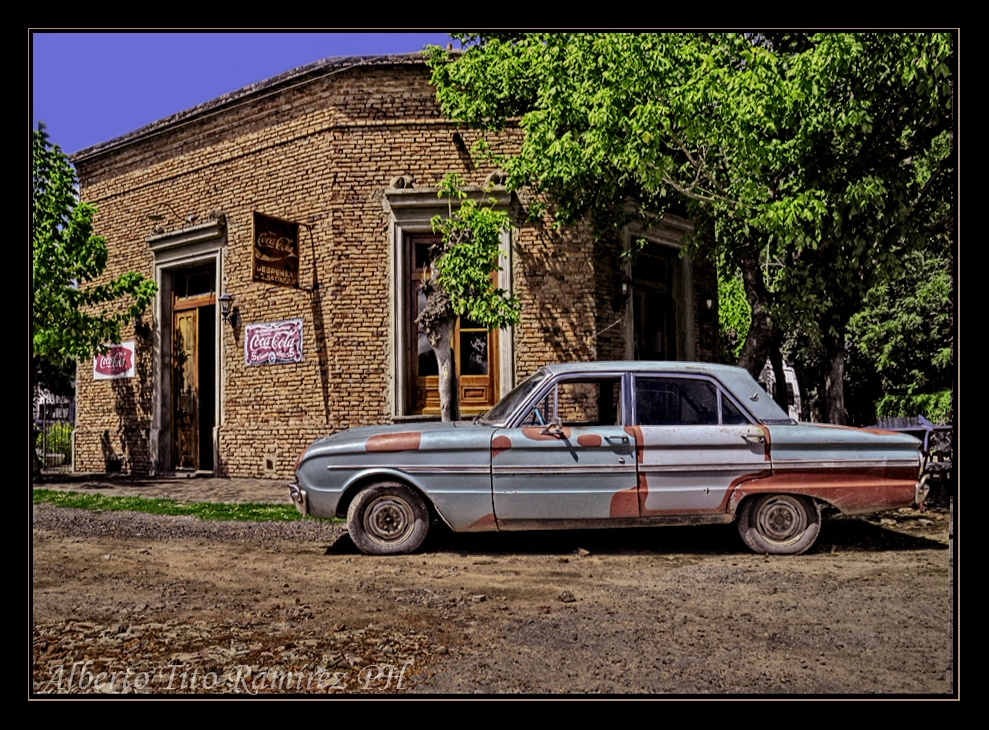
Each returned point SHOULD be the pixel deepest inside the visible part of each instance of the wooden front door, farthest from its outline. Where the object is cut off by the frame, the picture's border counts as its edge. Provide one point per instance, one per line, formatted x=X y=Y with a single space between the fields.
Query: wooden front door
x=193 y=368
x=475 y=350
x=185 y=394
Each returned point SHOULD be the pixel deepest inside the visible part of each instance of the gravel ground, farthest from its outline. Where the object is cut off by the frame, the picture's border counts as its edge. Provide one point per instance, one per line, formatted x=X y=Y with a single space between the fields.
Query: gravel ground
x=131 y=603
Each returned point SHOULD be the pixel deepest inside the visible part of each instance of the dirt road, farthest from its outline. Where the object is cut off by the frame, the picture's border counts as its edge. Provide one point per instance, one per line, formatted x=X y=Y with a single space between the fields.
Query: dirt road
x=133 y=603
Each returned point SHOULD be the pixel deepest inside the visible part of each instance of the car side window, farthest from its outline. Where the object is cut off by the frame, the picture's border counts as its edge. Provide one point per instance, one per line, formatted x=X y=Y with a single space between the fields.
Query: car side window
x=542 y=411
x=580 y=402
x=675 y=401
x=730 y=414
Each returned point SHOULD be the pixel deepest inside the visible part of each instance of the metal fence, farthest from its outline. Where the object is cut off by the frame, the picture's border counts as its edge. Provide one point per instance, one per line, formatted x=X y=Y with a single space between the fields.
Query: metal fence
x=54 y=418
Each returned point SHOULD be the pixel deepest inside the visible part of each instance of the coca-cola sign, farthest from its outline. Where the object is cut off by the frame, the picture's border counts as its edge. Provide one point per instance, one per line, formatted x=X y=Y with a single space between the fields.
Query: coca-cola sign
x=270 y=343
x=276 y=251
x=116 y=362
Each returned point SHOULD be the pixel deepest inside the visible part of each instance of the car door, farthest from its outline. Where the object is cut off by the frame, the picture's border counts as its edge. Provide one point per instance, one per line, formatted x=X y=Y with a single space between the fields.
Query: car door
x=696 y=443
x=570 y=458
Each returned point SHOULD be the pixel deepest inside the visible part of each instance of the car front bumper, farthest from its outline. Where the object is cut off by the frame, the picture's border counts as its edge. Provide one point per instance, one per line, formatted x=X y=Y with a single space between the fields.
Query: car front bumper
x=299 y=497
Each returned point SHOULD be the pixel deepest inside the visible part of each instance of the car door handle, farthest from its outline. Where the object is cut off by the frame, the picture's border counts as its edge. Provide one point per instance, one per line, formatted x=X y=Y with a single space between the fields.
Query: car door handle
x=616 y=439
x=754 y=438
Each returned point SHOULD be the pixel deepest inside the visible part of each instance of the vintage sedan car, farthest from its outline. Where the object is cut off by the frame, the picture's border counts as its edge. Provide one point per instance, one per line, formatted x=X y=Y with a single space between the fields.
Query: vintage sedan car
x=609 y=444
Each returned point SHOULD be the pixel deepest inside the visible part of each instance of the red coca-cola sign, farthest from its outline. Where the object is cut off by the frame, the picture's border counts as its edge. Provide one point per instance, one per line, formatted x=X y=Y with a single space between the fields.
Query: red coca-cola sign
x=271 y=343
x=116 y=362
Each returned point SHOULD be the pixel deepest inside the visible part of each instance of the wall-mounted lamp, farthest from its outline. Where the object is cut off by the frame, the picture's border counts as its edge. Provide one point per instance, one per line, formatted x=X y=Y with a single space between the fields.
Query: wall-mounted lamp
x=710 y=303
x=226 y=311
x=625 y=286
x=141 y=328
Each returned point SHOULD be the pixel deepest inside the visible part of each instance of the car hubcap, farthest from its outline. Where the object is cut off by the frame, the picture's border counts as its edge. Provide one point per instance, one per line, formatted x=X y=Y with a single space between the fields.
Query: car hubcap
x=781 y=520
x=389 y=519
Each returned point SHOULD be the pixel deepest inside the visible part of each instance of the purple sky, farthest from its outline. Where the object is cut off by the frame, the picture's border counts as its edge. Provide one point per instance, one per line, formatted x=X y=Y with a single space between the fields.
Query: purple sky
x=91 y=87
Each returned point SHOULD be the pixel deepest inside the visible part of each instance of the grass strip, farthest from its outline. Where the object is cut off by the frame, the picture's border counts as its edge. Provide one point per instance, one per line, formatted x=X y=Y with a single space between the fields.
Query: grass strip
x=243 y=512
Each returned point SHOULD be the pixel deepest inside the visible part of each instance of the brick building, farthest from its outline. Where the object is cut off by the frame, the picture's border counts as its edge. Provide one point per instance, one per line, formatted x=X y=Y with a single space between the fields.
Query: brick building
x=306 y=199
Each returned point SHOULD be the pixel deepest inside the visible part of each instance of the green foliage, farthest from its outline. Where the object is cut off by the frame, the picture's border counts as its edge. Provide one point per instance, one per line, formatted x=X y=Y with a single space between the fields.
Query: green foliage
x=734 y=315
x=904 y=328
x=68 y=319
x=827 y=155
x=246 y=512
x=471 y=247
x=935 y=407
x=900 y=341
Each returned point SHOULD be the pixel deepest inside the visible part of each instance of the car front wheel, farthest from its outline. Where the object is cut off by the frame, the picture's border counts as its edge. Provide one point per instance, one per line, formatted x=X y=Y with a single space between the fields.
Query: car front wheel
x=779 y=524
x=387 y=519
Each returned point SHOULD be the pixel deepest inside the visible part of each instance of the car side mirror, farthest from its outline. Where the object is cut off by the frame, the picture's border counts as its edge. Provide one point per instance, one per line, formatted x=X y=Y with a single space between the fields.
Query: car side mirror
x=553 y=428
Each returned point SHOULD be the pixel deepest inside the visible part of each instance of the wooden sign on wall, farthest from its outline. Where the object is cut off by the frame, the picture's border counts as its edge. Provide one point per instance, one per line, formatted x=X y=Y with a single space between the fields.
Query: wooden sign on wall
x=276 y=251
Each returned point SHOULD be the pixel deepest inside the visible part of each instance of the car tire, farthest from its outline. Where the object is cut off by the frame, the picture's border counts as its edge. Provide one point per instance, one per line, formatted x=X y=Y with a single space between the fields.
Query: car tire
x=779 y=524
x=387 y=518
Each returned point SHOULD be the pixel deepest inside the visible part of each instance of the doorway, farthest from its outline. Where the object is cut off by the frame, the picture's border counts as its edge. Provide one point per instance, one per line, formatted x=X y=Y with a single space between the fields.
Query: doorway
x=654 y=304
x=193 y=367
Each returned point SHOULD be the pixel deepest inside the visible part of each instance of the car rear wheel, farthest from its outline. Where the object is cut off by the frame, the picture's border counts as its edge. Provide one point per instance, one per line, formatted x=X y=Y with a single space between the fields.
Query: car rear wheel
x=779 y=524
x=387 y=518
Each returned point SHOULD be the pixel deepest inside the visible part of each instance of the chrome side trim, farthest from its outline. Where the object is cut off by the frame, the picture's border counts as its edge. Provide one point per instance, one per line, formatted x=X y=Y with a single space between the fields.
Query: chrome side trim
x=744 y=466
x=844 y=464
x=414 y=468
x=551 y=469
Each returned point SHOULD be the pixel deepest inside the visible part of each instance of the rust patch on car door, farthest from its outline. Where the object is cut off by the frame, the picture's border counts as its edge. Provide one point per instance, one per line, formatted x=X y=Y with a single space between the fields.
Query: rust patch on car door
x=488 y=523
x=536 y=434
x=499 y=444
x=625 y=503
x=589 y=439
x=636 y=433
x=768 y=442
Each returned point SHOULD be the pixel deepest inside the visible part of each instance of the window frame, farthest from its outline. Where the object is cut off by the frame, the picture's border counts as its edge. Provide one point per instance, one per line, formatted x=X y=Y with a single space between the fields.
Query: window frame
x=411 y=212
x=517 y=419
x=720 y=389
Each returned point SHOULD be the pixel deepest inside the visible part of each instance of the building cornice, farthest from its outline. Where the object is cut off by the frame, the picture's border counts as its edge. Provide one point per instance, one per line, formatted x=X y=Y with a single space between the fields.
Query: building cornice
x=287 y=80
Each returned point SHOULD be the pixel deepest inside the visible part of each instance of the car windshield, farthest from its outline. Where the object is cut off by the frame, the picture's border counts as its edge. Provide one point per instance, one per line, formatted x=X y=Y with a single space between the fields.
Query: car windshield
x=504 y=408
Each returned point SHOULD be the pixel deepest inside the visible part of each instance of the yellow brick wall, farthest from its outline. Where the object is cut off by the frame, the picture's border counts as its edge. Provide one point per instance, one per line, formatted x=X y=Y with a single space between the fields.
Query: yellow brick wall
x=325 y=151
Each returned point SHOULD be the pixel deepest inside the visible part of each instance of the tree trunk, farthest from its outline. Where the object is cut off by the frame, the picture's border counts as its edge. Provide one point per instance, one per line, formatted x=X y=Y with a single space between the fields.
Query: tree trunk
x=834 y=376
x=438 y=321
x=440 y=340
x=762 y=331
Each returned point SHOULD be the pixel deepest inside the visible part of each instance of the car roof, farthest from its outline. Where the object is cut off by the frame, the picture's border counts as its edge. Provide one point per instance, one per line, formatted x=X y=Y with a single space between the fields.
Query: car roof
x=706 y=368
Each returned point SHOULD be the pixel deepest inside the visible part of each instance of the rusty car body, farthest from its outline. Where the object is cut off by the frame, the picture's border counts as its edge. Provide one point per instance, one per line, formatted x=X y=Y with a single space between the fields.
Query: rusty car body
x=609 y=444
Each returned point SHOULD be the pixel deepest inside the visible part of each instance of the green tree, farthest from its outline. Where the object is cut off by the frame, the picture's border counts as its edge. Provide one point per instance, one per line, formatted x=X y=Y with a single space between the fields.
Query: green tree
x=71 y=317
x=825 y=155
x=459 y=282
x=901 y=343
